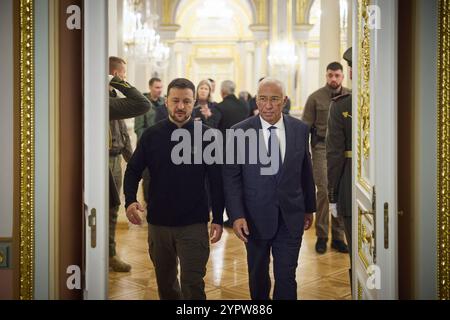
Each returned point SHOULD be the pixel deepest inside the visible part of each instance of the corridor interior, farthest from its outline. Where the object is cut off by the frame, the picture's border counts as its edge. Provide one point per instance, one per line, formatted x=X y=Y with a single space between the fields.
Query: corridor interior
x=229 y=40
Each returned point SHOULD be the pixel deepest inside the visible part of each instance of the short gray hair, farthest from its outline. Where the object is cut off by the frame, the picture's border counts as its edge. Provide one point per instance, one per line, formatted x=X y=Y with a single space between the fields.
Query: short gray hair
x=274 y=81
x=228 y=87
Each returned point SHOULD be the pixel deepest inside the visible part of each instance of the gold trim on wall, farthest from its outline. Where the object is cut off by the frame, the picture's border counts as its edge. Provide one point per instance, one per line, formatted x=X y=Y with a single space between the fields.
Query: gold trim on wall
x=26 y=149
x=360 y=291
x=167 y=10
x=300 y=12
x=443 y=196
x=363 y=144
x=362 y=234
x=261 y=12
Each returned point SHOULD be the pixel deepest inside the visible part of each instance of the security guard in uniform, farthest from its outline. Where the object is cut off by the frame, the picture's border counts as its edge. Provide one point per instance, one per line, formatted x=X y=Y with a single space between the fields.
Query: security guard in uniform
x=316 y=116
x=339 y=158
x=132 y=105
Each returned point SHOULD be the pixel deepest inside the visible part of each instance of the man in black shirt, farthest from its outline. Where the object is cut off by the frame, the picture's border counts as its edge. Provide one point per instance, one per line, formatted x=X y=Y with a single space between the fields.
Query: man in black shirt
x=177 y=211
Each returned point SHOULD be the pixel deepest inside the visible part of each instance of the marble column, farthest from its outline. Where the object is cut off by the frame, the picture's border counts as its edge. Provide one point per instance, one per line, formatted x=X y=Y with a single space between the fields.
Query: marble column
x=301 y=36
x=348 y=82
x=260 y=64
x=349 y=23
x=329 y=34
x=249 y=74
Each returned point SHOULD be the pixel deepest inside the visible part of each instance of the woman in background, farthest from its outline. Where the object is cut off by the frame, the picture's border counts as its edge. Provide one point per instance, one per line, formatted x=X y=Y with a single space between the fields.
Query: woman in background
x=204 y=109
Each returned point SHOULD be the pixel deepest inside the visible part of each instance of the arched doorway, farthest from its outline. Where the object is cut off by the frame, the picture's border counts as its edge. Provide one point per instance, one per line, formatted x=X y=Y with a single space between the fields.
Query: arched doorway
x=214 y=41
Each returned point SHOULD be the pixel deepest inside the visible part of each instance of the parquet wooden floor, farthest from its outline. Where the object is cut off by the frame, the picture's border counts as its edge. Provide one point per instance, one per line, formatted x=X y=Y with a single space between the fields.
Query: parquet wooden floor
x=318 y=276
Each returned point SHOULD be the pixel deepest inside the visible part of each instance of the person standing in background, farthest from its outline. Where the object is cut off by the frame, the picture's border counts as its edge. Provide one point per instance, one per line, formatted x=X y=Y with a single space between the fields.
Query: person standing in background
x=339 y=159
x=145 y=121
x=132 y=105
x=205 y=109
x=316 y=116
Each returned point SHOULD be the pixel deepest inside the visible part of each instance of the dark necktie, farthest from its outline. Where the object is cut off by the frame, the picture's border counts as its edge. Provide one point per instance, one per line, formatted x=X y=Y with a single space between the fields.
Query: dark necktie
x=273 y=136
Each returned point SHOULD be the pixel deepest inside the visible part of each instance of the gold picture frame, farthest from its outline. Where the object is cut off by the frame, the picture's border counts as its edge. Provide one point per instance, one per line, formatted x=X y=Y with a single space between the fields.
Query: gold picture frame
x=443 y=152
x=26 y=150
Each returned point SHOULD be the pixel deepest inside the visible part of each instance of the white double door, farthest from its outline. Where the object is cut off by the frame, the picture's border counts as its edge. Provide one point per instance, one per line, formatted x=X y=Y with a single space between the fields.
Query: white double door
x=96 y=124
x=375 y=150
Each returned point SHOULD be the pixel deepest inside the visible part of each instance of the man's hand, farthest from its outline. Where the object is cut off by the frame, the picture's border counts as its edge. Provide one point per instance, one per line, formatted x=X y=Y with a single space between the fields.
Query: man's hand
x=333 y=210
x=133 y=213
x=309 y=218
x=215 y=232
x=240 y=228
x=206 y=112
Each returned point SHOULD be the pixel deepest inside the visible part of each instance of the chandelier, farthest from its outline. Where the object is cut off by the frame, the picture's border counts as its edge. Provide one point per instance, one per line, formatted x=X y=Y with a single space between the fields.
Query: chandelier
x=282 y=54
x=141 y=40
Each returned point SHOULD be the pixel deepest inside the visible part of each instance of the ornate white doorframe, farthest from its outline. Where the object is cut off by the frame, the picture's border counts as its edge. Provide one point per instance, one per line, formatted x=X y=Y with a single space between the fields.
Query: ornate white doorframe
x=375 y=150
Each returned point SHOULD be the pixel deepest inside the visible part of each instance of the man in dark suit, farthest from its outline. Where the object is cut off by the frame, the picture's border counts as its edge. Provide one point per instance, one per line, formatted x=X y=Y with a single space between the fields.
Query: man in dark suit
x=231 y=110
x=270 y=212
x=228 y=113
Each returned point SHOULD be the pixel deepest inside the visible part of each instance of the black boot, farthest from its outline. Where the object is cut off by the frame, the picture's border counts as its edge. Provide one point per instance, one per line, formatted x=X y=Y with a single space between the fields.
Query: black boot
x=339 y=245
x=321 y=245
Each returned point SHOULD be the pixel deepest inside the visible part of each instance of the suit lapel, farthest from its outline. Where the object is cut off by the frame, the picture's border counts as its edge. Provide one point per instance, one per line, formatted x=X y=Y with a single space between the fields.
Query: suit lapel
x=290 y=143
x=257 y=126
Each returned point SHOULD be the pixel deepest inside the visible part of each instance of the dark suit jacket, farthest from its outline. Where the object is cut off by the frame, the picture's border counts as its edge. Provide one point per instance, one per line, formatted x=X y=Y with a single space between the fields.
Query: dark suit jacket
x=260 y=198
x=230 y=112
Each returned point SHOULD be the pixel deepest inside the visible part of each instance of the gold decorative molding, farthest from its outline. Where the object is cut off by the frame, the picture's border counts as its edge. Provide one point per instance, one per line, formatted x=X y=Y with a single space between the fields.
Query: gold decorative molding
x=443 y=196
x=26 y=149
x=360 y=291
x=261 y=12
x=301 y=7
x=225 y=52
x=363 y=144
x=363 y=237
x=167 y=11
x=289 y=21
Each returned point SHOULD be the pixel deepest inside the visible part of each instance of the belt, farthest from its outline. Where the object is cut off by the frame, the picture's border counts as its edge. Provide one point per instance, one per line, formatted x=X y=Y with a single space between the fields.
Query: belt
x=348 y=154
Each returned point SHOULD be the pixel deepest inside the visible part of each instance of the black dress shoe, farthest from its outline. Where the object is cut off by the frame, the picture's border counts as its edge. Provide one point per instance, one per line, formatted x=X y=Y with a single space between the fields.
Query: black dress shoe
x=339 y=245
x=321 y=245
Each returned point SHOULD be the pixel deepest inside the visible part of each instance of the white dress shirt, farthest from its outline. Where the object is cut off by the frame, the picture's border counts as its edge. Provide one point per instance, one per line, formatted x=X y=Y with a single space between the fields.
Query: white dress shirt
x=280 y=132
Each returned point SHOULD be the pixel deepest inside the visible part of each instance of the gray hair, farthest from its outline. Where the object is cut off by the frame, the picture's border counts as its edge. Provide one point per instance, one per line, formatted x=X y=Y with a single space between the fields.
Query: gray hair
x=228 y=87
x=274 y=81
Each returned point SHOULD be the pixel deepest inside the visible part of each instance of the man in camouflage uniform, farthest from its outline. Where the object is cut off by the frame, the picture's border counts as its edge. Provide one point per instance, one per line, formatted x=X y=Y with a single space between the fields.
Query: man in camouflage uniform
x=316 y=116
x=339 y=158
x=131 y=105
x=120 y=146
